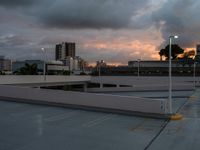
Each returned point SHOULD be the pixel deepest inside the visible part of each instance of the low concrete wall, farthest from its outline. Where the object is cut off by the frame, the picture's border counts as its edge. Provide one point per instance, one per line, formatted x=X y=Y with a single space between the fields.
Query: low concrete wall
x=137 y=81
x=39 y=79
x=143 y=83
x=86 y=100
x=143 y=88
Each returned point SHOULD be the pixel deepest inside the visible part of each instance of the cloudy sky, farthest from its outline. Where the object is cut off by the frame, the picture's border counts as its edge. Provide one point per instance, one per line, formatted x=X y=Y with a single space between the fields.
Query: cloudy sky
x=113 y=30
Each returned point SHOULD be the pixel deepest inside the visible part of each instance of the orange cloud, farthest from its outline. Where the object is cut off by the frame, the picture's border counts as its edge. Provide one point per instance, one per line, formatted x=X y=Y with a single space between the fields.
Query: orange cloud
x=134 y=48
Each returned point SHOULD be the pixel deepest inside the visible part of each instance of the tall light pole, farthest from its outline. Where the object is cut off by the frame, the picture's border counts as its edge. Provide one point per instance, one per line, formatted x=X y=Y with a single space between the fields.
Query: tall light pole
x=100 y=63
x=44 y=65
x=138 y=67
x=169 y=104
x=99 y=66
x=194 y=75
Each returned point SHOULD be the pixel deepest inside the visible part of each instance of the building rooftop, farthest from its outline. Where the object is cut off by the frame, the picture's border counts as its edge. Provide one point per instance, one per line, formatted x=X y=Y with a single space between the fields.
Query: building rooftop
x=27 y=126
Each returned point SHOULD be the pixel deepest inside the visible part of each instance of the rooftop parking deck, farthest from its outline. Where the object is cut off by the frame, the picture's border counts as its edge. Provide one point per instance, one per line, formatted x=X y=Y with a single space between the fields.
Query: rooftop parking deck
x=27 y=126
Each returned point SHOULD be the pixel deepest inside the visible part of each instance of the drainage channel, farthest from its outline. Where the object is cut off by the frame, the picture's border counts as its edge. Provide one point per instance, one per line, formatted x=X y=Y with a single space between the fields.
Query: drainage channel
x=164 y=126
x=158 y=134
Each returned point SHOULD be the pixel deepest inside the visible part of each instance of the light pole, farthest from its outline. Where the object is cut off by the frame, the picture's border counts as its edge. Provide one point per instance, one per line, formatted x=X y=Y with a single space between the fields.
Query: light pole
x=99 y=66
x=100 y=63
x=169 y=105
x=194 y=75
x=138 y=67
x=44 y=65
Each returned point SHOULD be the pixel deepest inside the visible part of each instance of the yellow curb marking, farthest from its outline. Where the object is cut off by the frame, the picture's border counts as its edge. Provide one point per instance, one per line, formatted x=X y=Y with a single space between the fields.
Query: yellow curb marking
x=192 y=98
x=176 y=117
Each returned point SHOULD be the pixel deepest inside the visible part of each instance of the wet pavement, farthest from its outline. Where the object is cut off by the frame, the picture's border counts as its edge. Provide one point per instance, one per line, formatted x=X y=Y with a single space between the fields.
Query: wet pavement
x=35 y=127
x=183 y=134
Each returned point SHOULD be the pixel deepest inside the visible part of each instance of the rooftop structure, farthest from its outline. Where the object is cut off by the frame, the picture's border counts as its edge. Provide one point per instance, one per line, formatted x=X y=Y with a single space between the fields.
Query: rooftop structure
x=198 y=49
x=27 y=126
x=16 y=65
x=64 y=50
x=66 y=119
x=197 y=57
x=153 y=63
x=52 y=67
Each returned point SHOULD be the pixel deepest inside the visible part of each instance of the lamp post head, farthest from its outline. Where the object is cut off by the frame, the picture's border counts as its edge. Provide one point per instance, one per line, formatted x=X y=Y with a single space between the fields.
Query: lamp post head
x=42 y=49
x=174 y=36
x=102 y=61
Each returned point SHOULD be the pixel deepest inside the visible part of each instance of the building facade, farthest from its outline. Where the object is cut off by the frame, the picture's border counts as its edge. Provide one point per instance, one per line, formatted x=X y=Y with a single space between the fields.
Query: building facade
x=52 y=67
x=69 y=61
x=198 y=49
x=56 y=67
x=16 y=65
x=151 y=64
x=197 y=56
x=5 y=64
x=64 y=50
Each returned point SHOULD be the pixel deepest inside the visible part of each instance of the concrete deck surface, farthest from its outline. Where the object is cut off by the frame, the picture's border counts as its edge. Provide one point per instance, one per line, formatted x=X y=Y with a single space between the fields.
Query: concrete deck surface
x=32 y=127
x=35 y=127
x=183 y=134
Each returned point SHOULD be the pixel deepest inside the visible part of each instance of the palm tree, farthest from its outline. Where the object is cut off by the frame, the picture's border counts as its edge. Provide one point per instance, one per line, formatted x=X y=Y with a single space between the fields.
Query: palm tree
x=28 y=69
x=161 y=53
x=176 y=50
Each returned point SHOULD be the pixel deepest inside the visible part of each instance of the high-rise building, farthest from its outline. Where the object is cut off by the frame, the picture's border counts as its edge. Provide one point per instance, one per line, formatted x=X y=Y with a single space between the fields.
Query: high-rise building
x=198 y=49
x=65 y=50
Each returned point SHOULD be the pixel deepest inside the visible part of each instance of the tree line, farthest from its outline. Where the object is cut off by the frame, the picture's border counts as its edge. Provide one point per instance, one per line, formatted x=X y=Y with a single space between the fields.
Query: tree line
x=178 y=53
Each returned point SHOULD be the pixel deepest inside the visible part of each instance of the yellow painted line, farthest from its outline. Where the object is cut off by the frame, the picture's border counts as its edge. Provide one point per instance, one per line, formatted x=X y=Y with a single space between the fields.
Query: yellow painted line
x=176 y=117
x=192 y=98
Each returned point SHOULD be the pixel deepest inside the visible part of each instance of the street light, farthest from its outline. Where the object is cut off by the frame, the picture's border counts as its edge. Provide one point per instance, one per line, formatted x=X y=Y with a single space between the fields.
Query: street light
x=99 y=68
x=100 y=63
x=138 y=67
x=44 y=66
x=194 y=75
x=169 y=105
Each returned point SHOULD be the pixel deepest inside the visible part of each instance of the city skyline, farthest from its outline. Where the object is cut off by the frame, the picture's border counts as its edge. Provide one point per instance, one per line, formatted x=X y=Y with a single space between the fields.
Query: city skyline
x=112 y=30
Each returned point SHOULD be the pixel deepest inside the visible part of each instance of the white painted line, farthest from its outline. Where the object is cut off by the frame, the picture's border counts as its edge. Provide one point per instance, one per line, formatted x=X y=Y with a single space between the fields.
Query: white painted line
x=62 y=116
x=22 y=113
x=99 y=120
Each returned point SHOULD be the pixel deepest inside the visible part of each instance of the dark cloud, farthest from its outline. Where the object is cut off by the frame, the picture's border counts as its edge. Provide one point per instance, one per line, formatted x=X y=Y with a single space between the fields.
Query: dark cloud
x=14 y=3
x=96 y=14
x=180 y=17
x=13 y=41
x=26 y=25
x=79 y=14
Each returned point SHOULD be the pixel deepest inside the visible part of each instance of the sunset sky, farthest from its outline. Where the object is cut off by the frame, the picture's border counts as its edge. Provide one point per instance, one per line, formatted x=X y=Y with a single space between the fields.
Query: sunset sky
x=113 y=30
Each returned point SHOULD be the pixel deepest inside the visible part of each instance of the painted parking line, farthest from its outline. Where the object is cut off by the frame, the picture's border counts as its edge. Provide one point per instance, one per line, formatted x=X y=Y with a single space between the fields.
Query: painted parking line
x=62 y=116
x=18 y=114
x=138 y=125
x=99 y=120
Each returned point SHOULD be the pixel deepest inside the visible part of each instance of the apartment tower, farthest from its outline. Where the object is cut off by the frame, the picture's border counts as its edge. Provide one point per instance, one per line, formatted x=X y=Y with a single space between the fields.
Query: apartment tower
x=65 y=50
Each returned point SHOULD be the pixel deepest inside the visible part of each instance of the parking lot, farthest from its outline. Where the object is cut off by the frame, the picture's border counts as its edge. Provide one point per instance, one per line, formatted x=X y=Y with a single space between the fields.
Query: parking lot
x=28 y=126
